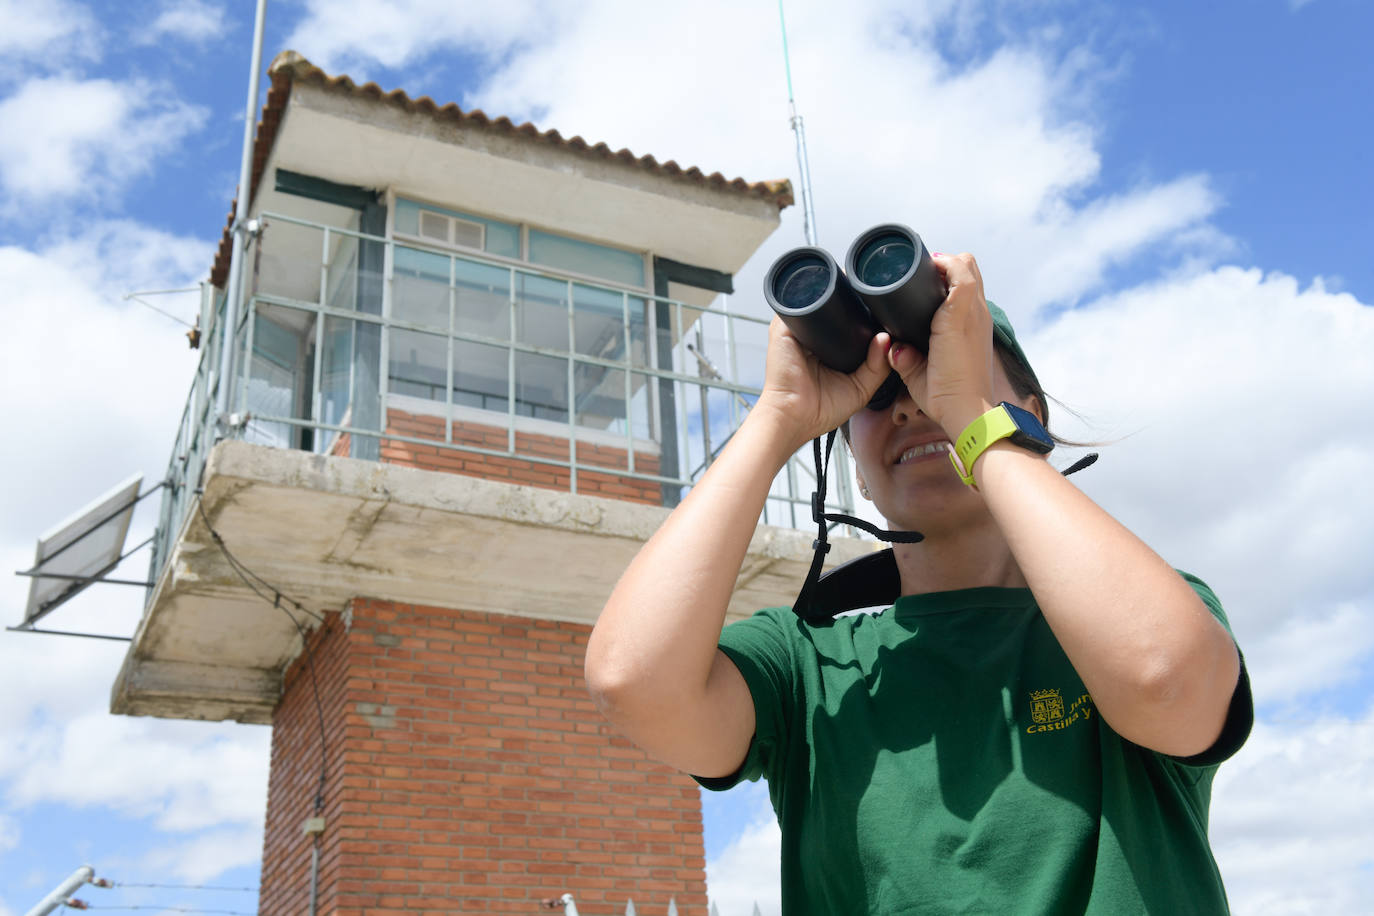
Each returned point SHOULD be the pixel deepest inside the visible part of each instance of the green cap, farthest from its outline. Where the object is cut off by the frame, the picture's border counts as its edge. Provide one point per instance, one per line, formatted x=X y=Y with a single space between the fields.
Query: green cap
x=1002 y=332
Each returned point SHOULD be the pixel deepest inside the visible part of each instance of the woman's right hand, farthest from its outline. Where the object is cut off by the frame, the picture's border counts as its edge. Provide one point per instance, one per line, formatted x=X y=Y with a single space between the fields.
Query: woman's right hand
x=652 y=662
x=808 y=398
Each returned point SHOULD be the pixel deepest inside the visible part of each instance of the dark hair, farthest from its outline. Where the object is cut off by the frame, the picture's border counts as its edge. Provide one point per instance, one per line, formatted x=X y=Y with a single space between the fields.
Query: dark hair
x=1025 y=384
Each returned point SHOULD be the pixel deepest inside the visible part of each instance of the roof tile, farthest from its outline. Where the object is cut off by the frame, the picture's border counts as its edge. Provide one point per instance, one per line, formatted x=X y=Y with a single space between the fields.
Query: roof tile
x=289 y=68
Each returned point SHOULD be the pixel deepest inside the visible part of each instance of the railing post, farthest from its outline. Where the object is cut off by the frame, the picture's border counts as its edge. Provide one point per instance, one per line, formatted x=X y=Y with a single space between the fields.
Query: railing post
x=629 y=379
x=231 y=305
x=572 y=393
x=705 y=394
x=510 y=370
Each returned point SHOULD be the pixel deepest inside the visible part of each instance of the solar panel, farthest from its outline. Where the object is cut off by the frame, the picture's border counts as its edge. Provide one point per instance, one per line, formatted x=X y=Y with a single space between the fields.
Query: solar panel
x=81 y=550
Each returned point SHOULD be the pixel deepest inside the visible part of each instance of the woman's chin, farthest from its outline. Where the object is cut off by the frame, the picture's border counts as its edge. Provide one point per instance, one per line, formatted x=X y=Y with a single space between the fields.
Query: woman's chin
x=935 y=509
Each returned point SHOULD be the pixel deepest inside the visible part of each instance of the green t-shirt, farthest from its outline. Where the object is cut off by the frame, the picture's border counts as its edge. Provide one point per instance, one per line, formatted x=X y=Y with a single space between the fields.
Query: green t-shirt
x=944 y=757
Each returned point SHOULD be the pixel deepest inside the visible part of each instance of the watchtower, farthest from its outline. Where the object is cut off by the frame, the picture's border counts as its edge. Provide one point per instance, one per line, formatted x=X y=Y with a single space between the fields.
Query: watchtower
x=471 y=367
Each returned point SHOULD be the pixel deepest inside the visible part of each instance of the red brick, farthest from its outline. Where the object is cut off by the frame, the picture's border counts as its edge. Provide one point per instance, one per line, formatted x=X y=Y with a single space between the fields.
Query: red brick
x=491 y=786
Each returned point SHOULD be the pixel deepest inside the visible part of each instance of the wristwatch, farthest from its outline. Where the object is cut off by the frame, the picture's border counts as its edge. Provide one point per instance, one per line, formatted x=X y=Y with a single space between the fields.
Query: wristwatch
x=1005 y=421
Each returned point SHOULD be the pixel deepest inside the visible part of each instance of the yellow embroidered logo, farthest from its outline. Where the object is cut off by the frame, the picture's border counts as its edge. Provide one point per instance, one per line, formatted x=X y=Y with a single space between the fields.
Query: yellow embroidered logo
x=1049 y=713
x=1046 y=706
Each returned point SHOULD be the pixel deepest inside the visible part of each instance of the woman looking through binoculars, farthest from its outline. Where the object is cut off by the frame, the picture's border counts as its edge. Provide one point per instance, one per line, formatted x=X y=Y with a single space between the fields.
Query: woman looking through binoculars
x=1032 y=727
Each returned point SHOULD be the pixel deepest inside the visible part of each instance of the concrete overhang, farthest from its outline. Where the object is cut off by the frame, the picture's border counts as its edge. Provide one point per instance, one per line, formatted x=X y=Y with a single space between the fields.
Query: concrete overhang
x=325 y=530
x=358 y=140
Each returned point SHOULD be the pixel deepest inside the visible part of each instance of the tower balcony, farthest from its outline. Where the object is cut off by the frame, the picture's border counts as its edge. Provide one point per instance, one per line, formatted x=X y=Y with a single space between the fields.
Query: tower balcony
x=430 y=425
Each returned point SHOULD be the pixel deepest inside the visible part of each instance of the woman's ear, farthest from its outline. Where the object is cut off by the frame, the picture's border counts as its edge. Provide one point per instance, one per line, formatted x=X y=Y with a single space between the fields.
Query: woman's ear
x=863 y=487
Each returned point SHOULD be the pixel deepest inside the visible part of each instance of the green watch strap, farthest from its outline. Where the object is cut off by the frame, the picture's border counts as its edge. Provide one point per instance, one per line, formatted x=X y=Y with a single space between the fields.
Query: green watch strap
x=993 y=426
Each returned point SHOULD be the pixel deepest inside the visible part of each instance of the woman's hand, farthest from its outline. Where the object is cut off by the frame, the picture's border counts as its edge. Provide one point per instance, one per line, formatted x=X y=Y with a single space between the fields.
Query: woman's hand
x=953 y=384
x=809 y=398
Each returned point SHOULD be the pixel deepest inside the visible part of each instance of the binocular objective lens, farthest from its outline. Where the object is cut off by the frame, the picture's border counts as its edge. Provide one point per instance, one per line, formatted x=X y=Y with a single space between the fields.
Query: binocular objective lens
x=885 y=260
x=802 y=282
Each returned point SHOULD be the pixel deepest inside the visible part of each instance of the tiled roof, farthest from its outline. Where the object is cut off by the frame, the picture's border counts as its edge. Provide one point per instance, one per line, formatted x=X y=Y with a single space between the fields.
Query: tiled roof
x=290 y=68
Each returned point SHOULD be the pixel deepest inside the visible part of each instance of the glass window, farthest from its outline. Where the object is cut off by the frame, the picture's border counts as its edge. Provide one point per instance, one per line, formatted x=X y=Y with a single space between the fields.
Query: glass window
x=588 y=258
x=482 y=299
x=341 y=290
x=500 y=305
x=419 y=290
x=600 y=397
x=419 y=364
x=286 y=263
x=480 y=374
x=599 y=323
x=336 y=371
x=541 y=387
x=541 y=313
x=277 y=373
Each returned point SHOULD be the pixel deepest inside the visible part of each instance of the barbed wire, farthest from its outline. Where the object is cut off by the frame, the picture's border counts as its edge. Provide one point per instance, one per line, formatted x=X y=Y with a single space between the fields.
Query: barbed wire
x=183 y=887
x=162 y=909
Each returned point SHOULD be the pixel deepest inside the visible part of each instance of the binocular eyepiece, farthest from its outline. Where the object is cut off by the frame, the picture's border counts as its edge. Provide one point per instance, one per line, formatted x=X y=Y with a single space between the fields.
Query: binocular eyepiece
x=889 y=283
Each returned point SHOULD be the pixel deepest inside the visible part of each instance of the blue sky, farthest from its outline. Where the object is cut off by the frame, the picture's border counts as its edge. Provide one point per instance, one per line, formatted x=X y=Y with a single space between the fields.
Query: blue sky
x=1265 y=96
x=1172 y=200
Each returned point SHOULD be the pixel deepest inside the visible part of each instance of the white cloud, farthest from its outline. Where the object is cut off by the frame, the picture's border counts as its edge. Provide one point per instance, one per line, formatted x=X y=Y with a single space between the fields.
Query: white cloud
x=99 y=384
x=1315 y=649
x=36 y=33
x=354 y=34
x=1000 y=157
x=116 y=256
x=207 y=774
x=1228 y=385
x=207 y=856
x=991 y=158
x=1291 y=816
x=99 y=381
x=195 y=21
x=983 y=158
x=85 y=138
x=1228 y=388
x=745 y=873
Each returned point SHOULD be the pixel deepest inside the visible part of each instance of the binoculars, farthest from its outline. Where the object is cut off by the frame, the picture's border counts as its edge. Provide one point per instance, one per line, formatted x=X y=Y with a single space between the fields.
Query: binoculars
x=889 y=283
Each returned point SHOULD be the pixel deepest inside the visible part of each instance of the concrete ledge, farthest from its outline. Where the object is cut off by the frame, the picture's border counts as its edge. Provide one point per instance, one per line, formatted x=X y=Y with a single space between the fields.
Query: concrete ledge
x=185 y=690
x=324 y=530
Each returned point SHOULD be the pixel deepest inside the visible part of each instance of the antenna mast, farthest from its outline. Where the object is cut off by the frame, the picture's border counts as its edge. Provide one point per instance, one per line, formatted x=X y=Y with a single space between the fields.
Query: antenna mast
x=803 y=165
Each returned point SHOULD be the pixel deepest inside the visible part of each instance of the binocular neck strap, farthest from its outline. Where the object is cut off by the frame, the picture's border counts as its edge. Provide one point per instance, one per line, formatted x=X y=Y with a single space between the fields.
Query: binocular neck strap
x=821 y=545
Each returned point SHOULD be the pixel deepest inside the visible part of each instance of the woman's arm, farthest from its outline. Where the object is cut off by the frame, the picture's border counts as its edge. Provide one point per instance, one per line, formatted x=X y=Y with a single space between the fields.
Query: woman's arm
x=652 y=664
x=1161 y=669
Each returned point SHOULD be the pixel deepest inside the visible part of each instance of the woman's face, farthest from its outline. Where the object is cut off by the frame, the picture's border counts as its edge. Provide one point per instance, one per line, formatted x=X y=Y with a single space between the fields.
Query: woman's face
x=903 y=459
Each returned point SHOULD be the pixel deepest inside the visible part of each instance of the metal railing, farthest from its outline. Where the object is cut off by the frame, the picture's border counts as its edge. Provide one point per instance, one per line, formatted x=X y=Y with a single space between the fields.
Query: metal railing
x=343 y=334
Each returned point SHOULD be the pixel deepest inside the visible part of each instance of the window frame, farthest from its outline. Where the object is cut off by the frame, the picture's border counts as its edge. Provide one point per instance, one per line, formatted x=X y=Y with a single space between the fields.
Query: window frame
x=645 y=292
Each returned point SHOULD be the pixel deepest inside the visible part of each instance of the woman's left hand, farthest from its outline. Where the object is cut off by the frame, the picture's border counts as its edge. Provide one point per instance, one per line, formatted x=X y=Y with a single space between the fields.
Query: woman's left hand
x=953 y=384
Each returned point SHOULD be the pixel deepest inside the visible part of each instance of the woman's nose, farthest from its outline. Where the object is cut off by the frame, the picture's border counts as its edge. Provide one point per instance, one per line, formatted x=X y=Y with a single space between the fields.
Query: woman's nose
x=904 y=409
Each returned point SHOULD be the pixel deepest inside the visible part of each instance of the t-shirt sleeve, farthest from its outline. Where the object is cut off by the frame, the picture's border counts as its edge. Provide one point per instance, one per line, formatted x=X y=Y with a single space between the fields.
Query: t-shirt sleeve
x=761 y=648
x=1240 y=716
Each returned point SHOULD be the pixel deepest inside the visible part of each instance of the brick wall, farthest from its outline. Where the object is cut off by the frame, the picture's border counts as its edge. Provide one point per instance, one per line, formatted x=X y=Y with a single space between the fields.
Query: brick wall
x=468 y=772
x=519 y=470
x=294 y=776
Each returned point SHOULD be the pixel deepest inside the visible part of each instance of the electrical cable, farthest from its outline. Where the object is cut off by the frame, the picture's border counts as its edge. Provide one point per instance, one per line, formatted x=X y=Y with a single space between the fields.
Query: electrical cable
x=276 y=601
x=244 y=572
x=182 y=321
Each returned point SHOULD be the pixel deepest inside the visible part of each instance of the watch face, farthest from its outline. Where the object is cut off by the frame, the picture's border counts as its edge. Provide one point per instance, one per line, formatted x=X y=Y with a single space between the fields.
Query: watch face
x=1030 y=434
